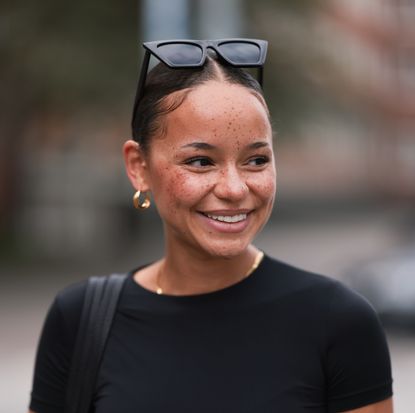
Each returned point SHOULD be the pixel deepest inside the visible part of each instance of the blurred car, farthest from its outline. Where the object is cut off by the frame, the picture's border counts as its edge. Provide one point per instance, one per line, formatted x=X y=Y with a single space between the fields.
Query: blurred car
x=389 y=285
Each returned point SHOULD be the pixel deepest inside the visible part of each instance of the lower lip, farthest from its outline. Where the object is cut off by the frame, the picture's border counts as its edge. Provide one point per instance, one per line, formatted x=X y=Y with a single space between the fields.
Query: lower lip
x=225 y=227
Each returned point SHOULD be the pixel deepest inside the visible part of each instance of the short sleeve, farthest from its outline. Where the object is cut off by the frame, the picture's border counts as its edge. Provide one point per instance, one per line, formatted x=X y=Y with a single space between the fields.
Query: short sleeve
x=55 y=350
x=358 y=360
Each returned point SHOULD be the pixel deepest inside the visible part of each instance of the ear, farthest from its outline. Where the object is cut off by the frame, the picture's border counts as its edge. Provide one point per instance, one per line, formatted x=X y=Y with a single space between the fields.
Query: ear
x=136 y=166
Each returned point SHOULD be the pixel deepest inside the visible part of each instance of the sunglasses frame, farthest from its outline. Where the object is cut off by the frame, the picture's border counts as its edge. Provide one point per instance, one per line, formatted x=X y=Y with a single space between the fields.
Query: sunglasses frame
x=153 y=48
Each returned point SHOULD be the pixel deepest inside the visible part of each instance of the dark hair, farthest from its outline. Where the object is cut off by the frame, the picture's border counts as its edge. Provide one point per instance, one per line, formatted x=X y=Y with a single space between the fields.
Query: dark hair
x=162 y=81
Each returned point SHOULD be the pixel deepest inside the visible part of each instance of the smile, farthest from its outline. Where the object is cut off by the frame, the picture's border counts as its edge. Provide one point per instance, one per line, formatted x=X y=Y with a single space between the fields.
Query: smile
x=228 y=218
x=226 y=221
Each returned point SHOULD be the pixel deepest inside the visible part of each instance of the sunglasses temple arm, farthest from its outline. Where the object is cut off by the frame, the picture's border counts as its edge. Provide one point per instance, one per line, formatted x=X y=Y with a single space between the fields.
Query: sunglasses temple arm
x=141 y=82
x=261 y=75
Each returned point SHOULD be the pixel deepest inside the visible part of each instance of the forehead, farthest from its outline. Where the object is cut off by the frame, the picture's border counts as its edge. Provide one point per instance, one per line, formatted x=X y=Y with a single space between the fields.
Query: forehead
x=222 y=98
x=218 y=108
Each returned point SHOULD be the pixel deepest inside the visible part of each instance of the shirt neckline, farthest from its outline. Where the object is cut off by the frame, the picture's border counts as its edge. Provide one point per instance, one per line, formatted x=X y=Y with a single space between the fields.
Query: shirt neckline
x=226 y=291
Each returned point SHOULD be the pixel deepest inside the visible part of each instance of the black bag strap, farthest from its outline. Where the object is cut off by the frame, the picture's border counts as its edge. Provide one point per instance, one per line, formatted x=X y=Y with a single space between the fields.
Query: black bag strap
x=100 y=303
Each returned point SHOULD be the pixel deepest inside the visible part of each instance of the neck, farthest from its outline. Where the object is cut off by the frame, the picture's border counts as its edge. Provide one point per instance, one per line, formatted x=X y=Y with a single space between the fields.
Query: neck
x=185 y=271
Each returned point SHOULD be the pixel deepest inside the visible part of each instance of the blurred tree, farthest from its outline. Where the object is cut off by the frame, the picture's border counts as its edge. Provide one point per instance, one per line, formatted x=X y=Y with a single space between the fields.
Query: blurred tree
x=69 y=52
x=60 y=57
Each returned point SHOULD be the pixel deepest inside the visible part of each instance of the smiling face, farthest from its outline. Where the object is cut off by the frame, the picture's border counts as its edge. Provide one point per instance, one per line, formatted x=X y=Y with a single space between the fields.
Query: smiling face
x=212 y=174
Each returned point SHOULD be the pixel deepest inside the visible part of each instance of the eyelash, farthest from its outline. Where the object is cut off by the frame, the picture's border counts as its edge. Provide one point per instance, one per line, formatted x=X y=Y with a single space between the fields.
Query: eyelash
x=264 y=160
x=190 y=162
x=198 y=158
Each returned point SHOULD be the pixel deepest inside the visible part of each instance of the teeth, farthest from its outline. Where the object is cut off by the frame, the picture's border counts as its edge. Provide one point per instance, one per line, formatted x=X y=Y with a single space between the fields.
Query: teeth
x=227 y=218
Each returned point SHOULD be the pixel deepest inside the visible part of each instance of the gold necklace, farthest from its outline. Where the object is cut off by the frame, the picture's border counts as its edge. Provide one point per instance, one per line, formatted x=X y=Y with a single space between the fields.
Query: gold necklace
x=258 y=258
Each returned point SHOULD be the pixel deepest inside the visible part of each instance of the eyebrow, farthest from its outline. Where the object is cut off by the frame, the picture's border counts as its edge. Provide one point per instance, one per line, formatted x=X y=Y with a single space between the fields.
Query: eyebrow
x=208 y=146
x=199 y=145
x=257 y=145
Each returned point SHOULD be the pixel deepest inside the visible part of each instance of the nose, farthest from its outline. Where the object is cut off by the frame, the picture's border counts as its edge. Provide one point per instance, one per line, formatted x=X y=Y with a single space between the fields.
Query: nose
x=231 y=185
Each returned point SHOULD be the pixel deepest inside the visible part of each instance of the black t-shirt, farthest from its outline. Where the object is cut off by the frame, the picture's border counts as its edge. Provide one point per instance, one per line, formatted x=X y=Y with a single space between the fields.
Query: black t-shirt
x=282 y=340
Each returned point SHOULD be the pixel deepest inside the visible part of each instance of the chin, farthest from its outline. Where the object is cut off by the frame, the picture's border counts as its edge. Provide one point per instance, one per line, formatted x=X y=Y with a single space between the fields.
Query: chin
x=227 y=249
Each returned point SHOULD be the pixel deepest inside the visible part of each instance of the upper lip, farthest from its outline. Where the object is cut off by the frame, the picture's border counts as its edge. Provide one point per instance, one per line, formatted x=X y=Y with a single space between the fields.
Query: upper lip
x=227 y=212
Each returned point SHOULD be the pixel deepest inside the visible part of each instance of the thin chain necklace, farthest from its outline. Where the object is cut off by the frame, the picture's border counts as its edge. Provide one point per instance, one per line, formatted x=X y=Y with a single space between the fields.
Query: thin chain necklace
x=258 y=258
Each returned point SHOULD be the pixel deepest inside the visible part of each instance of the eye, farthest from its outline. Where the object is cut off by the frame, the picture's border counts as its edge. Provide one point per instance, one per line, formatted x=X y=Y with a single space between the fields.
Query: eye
x=258 y=160
x=199 y=162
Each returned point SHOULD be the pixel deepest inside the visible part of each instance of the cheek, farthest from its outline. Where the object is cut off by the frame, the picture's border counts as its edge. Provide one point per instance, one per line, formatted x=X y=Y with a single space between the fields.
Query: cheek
x=174 y=188
x=265 y=186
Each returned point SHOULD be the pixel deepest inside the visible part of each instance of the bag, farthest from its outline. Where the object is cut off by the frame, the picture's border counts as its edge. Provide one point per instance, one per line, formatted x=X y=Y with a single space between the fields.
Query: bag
x=99 y=306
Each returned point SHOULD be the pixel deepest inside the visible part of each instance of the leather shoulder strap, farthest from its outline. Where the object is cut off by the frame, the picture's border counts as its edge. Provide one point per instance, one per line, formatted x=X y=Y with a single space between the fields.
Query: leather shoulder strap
x=100 y=303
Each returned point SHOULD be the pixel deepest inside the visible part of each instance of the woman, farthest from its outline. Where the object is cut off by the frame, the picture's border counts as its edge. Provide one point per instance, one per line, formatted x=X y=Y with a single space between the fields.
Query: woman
x=216 y=326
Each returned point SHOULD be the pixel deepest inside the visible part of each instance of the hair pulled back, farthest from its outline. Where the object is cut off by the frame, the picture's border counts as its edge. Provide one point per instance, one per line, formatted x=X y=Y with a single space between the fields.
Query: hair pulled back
x=162 y=81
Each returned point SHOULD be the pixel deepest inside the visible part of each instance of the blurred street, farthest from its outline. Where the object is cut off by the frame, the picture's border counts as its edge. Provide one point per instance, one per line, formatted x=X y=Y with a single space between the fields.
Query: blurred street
x=326 y=246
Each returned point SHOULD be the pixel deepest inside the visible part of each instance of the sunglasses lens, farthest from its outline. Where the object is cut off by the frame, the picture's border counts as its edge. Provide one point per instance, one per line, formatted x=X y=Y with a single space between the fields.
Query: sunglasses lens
x=241 y=53
x=179 y=54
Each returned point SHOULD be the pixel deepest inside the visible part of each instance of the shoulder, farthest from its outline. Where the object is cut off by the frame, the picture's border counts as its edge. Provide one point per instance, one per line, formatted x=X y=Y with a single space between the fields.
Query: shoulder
x=67 y=306
x=357 y=354
x=72 y=295
x=338 y=306
x=282 y=269
x=345 y=310
x=70 y=301
x=353 y=323
x=354 y=350
x=55 y=348
x=289 y=279
x=348 y=306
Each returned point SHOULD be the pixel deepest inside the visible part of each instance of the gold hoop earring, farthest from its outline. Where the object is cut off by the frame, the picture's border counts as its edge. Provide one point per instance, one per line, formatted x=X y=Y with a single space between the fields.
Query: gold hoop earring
x=136 y=201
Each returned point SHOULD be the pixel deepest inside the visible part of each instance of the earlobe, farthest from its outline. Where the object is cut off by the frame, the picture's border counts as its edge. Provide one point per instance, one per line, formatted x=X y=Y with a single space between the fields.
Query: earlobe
x=136 y=165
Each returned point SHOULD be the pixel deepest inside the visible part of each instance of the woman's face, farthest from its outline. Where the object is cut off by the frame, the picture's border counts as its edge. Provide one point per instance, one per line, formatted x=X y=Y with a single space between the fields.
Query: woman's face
x=212 y=175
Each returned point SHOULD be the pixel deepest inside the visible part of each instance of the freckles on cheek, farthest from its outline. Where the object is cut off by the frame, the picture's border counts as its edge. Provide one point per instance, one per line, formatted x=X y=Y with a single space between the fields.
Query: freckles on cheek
x=180 y=189
x=265 y=187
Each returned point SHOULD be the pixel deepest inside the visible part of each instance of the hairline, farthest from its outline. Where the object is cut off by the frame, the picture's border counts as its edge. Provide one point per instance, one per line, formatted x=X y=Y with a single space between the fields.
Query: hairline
x=174 y=100
x=182 y=95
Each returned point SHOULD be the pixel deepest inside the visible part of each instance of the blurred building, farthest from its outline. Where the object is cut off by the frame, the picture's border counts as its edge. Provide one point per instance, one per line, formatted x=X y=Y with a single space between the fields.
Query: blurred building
x=371 y=44
x=63 y=190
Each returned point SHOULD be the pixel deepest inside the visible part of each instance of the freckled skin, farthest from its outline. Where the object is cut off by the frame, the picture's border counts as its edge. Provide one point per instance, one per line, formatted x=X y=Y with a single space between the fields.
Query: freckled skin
x=230 y=118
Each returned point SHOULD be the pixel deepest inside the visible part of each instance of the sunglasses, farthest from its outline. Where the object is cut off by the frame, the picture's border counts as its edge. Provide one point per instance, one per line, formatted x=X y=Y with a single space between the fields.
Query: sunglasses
x=180 y=54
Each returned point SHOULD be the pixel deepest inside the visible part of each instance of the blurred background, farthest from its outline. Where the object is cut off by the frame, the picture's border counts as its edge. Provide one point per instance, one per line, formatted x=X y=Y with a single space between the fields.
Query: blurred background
x=340 y=82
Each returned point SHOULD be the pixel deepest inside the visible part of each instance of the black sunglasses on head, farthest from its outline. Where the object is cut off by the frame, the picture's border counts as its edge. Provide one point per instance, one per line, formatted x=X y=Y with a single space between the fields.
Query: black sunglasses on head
x=179 y=54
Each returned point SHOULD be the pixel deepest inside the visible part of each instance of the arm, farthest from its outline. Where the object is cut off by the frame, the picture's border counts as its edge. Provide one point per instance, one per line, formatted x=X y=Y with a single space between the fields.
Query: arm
x=358 y=360
x=385 y=406
x=54 y=351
